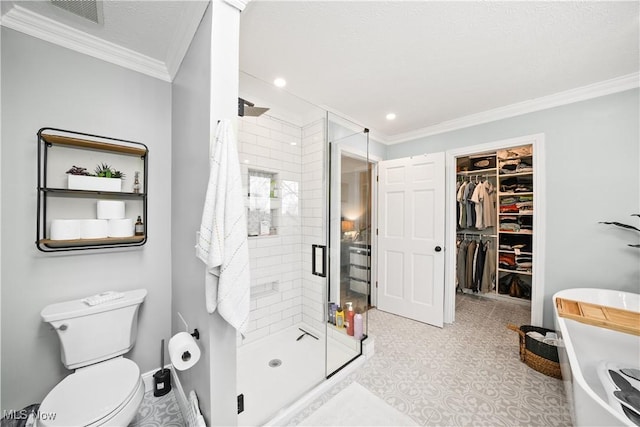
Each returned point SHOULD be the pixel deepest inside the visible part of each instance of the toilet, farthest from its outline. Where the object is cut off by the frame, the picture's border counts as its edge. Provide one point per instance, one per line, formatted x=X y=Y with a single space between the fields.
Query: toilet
x=105 y=388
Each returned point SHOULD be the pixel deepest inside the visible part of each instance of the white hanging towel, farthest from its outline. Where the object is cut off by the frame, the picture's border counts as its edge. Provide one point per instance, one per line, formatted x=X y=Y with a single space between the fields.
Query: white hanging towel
x=222 y=244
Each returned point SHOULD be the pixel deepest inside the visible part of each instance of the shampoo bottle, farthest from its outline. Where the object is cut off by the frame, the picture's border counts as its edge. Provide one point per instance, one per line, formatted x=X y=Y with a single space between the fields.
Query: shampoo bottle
x=339 y=317
x=350 y=317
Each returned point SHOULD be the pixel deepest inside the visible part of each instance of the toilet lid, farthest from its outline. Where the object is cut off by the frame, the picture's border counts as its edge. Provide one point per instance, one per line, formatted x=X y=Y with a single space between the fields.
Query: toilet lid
x=91 y=393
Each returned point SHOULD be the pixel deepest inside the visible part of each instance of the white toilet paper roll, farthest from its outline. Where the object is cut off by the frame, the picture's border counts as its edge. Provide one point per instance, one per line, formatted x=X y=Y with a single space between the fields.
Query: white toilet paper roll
x=65 y=229
x=183 y=351
x=93 y=228
x=120 y=227
x=110 y=209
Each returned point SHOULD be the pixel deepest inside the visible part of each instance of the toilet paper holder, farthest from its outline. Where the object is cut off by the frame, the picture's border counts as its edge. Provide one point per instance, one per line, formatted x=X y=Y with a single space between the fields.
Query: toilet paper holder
x=186 y=356
x=184 y=350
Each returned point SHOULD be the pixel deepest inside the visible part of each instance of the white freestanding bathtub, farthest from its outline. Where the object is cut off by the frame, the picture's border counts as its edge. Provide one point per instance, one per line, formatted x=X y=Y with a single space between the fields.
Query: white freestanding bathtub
x=585 y=351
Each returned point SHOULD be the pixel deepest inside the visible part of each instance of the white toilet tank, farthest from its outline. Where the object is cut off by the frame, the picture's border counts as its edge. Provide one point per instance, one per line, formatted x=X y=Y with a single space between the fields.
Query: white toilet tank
x=91 y=334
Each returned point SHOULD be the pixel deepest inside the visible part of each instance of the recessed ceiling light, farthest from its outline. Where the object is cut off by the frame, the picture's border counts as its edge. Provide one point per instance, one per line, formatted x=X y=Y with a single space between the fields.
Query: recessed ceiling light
x=246 y=160
x=391 y=116
x=293 y=143
x=280 y=82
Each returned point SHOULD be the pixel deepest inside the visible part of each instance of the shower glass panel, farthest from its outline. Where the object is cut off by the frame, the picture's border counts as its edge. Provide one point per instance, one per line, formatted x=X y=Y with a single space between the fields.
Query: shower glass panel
x=350 y=241
x=282 y=156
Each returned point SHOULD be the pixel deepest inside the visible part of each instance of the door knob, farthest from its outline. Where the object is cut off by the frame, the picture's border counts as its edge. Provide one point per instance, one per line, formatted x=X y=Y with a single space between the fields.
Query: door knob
x=438 y=248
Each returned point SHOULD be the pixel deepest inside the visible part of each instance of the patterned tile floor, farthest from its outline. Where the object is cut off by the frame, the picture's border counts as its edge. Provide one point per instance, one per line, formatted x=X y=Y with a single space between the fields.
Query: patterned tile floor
x=468 y=373
x=160 y=411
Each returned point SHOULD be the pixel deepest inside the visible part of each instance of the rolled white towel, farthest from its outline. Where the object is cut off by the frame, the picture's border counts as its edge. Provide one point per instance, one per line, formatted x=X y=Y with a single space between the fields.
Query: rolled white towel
x=536 y=335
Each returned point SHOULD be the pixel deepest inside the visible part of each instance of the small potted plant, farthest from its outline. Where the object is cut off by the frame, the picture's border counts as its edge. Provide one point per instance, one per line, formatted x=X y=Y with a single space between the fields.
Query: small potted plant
x=103 y=170
x=105 y=178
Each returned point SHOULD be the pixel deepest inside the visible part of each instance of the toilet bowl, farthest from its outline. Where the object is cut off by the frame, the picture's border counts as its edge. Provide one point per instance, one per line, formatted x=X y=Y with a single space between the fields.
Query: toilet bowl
x=107 y=393
x=105 y=388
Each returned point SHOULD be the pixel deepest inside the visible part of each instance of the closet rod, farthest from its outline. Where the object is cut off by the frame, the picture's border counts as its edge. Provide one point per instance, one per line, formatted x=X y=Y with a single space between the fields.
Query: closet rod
x=476 y=234
x=486 y=173
x=470 y=178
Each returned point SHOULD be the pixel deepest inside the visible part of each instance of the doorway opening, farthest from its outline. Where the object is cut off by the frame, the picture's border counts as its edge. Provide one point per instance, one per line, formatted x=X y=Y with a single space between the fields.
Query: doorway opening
x=495 y=194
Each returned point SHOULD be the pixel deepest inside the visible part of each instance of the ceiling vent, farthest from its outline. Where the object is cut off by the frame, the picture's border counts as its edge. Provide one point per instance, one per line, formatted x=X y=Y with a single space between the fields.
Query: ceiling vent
x=87 y=9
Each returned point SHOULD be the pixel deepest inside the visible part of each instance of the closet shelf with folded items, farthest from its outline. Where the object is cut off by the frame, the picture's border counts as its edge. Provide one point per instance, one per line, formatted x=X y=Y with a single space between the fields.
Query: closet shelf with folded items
x=515 y=222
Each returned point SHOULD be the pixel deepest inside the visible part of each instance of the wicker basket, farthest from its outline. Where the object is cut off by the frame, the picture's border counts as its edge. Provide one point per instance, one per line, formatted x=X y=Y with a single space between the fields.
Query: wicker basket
x=538 y=355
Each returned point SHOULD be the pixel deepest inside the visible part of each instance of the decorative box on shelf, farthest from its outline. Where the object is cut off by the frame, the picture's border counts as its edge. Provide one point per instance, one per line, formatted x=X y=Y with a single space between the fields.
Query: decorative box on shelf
x=93 y=183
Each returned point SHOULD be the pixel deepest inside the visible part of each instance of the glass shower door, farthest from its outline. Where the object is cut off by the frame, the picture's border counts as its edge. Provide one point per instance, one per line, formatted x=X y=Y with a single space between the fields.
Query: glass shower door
x=282 y=154
x=350 y=242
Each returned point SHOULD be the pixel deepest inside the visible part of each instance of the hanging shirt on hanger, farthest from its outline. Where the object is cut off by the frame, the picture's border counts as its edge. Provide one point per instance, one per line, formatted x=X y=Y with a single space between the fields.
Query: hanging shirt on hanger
x=475 y=198
x=489 y=273
x=471 y=212
x=461 y=264
x=481 y=253
x=462 y=205
x=471 y=249
x=489 y=202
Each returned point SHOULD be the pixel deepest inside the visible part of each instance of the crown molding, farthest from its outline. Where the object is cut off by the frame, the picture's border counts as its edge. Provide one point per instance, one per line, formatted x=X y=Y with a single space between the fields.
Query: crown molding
x=36 y=25
x=238 y=4
x=595 y=90
x=181 y=40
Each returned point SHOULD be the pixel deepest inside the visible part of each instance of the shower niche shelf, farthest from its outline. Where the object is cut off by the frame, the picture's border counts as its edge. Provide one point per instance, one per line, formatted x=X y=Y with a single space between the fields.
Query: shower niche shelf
x=58 y=150
x=263 y=203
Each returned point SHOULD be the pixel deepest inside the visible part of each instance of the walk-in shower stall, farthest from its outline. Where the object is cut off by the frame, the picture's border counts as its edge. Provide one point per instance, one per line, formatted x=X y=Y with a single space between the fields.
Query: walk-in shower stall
x=299 y=271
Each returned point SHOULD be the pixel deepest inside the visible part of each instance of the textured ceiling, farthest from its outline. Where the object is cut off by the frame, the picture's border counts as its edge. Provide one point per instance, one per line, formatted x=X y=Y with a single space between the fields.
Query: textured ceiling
x=430 y=62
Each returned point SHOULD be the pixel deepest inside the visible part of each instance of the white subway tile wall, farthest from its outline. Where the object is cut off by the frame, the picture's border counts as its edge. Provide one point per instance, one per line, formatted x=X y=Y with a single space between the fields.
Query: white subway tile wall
x=283 y=290
x=314 y=295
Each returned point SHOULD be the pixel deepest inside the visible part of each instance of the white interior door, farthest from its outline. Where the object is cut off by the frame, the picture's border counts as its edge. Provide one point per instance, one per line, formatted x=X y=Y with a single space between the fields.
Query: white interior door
x=411 y=228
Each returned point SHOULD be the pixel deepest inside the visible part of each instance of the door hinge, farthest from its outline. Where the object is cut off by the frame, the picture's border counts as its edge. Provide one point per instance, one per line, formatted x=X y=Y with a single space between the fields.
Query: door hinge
x=240 y=403
x=377 y=178
x=376 y=284
x=376 y=231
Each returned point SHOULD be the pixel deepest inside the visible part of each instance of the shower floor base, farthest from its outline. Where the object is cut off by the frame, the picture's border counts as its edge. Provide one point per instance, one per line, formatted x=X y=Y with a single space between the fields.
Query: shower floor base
x=266 y=388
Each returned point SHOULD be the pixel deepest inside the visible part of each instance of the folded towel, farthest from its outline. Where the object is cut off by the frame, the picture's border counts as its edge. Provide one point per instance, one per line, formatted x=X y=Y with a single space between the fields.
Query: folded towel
x=222 y=244
x=195 y=418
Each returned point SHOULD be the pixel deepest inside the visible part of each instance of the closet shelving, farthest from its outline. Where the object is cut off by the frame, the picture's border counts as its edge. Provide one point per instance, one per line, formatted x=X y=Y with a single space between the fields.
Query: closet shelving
x=63 y=148
x=511 y=233
x=515 y=222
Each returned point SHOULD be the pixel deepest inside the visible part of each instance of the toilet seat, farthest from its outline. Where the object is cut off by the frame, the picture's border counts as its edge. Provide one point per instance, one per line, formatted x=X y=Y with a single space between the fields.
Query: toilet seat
x=91 y=394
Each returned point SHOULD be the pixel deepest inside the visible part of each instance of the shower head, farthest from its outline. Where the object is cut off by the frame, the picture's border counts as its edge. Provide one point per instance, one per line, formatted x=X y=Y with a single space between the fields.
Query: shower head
x=246 y=108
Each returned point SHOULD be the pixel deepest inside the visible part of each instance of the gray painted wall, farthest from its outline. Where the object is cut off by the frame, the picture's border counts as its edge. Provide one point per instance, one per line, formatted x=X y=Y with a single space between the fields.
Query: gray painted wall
x=592 y=174
x=47 y=85
x=190 y=166
x=351 y=137
x=205 y=90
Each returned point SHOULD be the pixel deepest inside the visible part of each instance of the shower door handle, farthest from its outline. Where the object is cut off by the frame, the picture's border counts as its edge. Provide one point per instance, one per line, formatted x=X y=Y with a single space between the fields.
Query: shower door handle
x=319 y=260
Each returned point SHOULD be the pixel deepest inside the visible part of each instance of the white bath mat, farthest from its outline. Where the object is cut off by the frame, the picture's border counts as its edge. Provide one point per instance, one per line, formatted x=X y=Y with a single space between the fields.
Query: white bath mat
x=357 y=406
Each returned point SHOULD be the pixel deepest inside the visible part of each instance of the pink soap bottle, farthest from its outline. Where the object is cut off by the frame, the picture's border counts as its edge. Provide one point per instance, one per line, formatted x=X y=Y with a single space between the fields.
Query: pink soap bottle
x=358 y=326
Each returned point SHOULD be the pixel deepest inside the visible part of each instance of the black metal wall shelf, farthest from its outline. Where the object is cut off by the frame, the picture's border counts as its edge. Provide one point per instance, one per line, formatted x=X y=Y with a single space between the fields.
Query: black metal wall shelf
x=49 y=139
x=64 y=192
